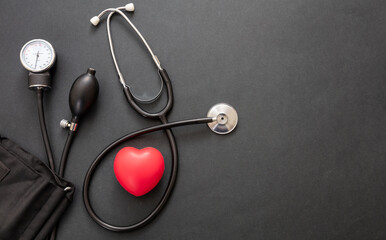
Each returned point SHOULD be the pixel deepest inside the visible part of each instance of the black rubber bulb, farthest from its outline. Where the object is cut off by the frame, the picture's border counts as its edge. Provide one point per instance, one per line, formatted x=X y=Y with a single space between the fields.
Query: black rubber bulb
x=83 y=93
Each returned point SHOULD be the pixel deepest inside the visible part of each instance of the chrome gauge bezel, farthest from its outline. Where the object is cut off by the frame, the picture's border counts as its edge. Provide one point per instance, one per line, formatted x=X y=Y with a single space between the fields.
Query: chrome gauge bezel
x=25 y=65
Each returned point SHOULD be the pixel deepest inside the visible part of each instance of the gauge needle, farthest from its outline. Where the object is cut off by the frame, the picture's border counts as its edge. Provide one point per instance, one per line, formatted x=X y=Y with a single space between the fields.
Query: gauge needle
x=37 y=56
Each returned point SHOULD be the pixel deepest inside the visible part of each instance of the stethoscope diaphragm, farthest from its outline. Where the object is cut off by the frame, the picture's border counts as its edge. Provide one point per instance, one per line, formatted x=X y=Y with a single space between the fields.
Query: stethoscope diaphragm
x=226 y=118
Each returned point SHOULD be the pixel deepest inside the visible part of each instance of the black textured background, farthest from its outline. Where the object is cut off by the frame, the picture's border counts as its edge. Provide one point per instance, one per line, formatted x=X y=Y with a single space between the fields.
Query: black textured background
x=307 y=160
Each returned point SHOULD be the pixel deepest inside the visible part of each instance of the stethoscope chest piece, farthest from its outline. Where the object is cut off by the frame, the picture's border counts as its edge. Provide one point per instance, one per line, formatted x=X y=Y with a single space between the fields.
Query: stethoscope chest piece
x=226 y=118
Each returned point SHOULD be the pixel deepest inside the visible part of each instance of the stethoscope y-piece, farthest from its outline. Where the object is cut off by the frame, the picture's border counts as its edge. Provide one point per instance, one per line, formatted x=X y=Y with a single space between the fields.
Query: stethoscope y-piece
x=129 y=8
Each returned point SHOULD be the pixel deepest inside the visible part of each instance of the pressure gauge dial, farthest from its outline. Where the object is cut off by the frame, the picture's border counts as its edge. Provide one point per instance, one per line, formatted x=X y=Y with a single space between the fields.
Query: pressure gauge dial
x=37 y=55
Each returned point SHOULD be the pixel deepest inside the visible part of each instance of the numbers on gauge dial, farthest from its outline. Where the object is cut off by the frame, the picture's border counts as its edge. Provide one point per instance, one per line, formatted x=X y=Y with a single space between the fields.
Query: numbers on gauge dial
x=37 y=55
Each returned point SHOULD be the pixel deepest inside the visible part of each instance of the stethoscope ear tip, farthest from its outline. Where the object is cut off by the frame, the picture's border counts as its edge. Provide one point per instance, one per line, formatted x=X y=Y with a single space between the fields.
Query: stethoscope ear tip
x=225 y=118
x=95 y=20
x=130 y=7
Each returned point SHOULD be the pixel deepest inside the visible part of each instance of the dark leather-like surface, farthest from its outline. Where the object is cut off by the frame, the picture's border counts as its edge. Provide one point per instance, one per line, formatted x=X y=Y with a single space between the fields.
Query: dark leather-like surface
x=307 y=160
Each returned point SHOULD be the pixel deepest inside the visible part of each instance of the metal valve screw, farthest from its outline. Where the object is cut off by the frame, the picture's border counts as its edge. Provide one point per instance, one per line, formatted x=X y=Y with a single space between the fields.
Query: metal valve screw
x=65 y=124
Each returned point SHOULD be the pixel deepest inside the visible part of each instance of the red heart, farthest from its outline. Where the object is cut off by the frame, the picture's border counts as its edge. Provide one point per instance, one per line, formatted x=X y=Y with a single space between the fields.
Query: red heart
x=138 y=170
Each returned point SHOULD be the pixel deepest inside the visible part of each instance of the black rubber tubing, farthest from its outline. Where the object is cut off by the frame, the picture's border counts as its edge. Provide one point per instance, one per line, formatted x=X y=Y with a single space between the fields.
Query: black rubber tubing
x=66 y=150
x=63 y=161
x=161 y=114
x=43 y=128
x=172 y=179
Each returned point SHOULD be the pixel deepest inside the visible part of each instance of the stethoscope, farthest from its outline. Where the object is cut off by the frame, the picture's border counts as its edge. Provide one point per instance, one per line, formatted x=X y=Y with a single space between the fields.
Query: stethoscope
x=221 y=119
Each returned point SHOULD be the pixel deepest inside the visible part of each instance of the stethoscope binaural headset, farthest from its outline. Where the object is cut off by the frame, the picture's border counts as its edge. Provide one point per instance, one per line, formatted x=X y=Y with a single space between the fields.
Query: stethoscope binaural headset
x=221 y=119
